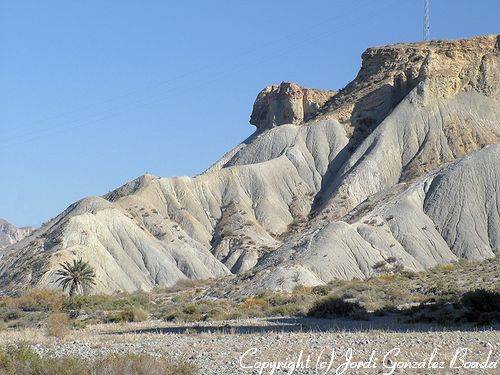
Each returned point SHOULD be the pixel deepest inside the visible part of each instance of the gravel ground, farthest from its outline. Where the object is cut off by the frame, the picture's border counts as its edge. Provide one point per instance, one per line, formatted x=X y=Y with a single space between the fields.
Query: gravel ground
x=217 y=347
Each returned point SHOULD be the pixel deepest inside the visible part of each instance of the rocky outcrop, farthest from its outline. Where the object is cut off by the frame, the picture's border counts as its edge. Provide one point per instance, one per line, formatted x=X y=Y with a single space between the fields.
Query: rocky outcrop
x=10 y=234
x=287 y=103
x=389 y=73
x=402 y=163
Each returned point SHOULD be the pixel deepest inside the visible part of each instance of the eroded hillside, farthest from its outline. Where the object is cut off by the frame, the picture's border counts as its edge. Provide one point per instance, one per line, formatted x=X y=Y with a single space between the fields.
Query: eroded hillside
x=401 y=163
x=10 y=234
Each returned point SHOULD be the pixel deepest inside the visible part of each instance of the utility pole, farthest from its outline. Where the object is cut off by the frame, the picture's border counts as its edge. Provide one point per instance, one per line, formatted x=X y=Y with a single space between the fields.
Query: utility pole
x=427 y=24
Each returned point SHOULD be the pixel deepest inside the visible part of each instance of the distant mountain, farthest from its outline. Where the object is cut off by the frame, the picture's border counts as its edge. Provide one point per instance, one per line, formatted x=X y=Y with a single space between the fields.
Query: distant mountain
x=10 y=234
x=402 y=166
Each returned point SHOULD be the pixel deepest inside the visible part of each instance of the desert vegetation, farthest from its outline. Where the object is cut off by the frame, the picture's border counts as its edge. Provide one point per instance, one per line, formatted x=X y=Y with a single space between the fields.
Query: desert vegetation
x=447 y=294
x=22 y=360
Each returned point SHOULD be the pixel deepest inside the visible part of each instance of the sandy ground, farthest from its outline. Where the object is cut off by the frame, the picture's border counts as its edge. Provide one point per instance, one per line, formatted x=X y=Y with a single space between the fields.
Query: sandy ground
x=306 y=346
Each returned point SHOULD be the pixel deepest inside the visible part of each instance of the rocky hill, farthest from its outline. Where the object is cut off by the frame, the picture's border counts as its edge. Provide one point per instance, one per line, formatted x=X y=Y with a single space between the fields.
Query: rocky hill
x=400 y=165
x=10 y=234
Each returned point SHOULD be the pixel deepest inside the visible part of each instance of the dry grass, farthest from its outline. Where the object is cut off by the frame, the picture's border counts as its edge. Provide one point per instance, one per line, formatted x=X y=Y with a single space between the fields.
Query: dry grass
x=21 y=360
x=58 y=325
x=36 y=300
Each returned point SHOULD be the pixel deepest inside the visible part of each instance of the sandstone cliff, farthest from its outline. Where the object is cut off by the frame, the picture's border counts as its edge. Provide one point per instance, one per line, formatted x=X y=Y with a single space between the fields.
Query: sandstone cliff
x=287 y=103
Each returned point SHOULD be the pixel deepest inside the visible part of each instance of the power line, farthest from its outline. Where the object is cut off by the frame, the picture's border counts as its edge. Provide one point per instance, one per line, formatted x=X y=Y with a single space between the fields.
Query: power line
x=115 y=107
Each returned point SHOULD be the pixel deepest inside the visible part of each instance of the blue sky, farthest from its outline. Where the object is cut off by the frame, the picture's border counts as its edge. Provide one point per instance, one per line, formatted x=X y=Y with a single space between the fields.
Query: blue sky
x=95 y=93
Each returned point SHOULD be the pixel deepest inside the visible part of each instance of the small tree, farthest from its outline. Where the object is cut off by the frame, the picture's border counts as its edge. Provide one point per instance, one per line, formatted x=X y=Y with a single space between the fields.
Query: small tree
x=75 y=277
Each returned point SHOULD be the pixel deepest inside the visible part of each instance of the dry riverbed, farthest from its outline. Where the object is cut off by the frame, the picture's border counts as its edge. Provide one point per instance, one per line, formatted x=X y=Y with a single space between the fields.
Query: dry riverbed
x=248 y=346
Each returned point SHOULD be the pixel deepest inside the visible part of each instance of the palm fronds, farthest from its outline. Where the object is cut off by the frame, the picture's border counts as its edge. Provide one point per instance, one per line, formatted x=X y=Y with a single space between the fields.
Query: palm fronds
x=76 y=276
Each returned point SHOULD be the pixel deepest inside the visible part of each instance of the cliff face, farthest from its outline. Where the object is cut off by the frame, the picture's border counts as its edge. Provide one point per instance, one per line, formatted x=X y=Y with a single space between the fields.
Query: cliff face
x=10 y=234
x=389 y=73
x=287 y=103
x=401 y=163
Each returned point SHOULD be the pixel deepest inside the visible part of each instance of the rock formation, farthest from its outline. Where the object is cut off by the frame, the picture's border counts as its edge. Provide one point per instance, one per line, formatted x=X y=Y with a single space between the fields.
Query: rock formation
x=287 y=103
x=403 y=163
x=10 y=234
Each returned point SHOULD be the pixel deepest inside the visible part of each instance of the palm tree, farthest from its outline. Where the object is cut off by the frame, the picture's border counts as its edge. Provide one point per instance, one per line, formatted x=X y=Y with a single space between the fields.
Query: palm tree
x=77 y=276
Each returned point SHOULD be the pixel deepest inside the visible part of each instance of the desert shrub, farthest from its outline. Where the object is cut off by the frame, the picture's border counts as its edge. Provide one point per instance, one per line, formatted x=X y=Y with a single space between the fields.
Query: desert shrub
x=57 y=325
x=334 y=307
x=277 y=299
x=481 y=300
x=408 y=274
x=18 y=319
x=220 y=309
x=38 y=300
x=190 y=309
x=8 y=314
x=445 y=268
x=139 y=314
x=170 y=315
x=387 y=277
x=130 y=314
x=441 y=313
x=140 y=364
x=396 y=294
x=254 y=303
x=21 y=360
x=286 y=304
x=302 y=289
x=77 y=324
x=321 y=290
x=180 y=311
x=483 y=306
x=107 y=302
x=289 y=309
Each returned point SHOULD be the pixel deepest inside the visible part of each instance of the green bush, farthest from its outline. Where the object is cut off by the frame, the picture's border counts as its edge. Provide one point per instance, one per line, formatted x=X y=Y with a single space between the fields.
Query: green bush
x=38 y=300
x=108 y=302
x=483 y=306
x=334 y=307
x=130 y=314
x=190 y=309
x=11 y=314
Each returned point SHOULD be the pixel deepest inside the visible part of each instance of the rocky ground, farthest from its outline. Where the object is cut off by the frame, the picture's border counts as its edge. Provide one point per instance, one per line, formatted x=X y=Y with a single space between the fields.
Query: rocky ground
x=218 y=347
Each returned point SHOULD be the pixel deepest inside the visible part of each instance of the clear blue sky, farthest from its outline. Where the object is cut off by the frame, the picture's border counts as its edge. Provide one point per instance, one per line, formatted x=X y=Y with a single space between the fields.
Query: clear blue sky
x=95 y=93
